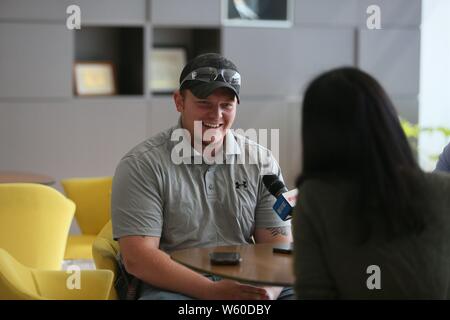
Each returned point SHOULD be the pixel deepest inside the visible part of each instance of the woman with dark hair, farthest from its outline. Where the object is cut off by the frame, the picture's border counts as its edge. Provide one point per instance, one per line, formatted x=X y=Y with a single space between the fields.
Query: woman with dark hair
x=368 y=222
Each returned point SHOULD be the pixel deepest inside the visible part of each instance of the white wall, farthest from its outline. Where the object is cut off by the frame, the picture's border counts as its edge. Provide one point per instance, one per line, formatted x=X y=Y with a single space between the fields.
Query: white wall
x=434 y=109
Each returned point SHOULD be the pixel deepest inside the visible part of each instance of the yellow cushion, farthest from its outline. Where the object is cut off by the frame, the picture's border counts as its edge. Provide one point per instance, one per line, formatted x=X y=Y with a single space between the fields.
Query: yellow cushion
x=16 y=281
x=20 y=282
x=105 y=250
x=79 y=247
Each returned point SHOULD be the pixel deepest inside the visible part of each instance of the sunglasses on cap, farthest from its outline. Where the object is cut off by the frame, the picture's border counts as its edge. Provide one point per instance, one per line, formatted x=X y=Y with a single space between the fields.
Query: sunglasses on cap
x=209 y=74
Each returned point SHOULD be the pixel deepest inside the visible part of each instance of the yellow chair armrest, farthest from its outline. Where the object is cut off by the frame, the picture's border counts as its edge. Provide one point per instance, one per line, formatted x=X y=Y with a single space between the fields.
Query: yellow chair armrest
x=74 y=285
x=10 y=291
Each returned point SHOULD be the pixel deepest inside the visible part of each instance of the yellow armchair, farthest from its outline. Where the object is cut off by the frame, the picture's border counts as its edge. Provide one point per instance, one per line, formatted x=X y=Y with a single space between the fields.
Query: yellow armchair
x=104 y=251
x=18 y=282
x=34 y=224
x=92 y=197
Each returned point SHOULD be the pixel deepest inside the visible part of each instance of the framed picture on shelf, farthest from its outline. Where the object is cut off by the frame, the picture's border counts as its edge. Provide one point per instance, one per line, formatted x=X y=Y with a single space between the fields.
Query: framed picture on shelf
x=166 y=64
x=94 y=78
x=257 y=13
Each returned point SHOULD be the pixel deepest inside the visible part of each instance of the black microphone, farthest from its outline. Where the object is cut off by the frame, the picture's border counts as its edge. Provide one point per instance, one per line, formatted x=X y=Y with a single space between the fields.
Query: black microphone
x=285 y=199
x=275 y=186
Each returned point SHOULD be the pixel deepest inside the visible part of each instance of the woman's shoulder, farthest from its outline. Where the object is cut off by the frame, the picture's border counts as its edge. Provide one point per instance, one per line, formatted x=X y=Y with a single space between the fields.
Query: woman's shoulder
x=323 y=194
x=338 y=185
x=328 y=186
x=438 y=182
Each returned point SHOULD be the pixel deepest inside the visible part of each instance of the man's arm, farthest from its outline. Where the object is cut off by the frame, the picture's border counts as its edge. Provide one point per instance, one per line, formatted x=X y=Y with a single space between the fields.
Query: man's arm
x=274 y=235
x=143 y=259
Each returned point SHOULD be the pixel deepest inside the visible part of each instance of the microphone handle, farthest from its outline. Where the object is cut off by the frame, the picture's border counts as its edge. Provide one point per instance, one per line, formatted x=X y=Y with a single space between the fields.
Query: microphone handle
x=280 y=192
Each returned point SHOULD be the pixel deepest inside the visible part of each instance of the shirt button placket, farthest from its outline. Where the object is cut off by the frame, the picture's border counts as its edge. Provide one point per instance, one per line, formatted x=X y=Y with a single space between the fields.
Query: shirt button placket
x=209 y=182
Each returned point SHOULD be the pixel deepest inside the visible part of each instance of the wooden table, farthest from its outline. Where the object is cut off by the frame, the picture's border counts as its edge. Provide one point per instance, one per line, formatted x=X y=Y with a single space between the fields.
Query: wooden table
x=259 y=264
x=25 y=177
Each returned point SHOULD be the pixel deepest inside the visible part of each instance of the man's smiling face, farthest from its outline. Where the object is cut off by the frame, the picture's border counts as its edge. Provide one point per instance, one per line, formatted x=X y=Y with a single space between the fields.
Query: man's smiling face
x=216 y=113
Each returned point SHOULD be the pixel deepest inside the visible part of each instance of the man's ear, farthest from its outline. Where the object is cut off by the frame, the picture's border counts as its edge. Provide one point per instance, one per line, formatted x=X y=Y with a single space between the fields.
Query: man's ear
x=179 y=100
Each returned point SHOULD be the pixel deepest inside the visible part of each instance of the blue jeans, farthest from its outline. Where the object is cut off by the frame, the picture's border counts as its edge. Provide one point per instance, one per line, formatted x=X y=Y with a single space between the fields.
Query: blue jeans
x=148 y=292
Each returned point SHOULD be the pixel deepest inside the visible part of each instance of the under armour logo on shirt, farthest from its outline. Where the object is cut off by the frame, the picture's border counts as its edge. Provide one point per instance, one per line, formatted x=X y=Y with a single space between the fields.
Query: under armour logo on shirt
x=243 y=184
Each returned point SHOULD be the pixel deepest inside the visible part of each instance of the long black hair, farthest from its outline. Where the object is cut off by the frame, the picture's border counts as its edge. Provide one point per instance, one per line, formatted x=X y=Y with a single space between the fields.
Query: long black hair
x=350 y=129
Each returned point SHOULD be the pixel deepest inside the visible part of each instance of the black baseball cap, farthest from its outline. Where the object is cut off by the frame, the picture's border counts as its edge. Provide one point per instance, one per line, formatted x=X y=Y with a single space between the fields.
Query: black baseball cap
x=202 y=89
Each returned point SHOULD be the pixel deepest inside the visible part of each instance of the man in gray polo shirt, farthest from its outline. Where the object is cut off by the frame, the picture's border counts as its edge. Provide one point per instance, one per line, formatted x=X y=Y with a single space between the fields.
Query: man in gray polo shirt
x=171 y=194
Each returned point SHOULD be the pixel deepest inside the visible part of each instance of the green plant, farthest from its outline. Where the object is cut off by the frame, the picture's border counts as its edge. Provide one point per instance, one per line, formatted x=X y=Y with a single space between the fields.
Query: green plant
x=412 y=132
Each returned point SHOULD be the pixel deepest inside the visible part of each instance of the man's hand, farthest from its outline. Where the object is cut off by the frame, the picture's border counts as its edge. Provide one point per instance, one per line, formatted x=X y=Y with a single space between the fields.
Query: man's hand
x=232 y=290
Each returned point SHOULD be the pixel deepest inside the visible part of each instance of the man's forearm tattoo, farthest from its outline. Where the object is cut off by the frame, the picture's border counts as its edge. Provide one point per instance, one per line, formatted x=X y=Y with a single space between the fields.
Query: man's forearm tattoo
x=278 y=230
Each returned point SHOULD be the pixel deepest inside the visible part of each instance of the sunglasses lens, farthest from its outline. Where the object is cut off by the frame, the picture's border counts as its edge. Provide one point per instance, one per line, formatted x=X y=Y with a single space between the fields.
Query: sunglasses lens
x=208 y=74
x=205 y=74
x=232 y=77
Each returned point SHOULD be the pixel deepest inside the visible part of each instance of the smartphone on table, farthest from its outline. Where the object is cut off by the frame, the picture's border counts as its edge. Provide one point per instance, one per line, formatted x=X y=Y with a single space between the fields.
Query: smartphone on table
x=283 y=248
x=225 y=258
